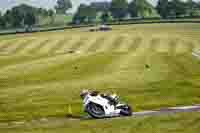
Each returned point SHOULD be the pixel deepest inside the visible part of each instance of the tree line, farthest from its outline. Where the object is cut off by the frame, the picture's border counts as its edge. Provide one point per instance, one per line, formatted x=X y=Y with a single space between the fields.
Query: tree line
x=26 y=16
x=121 y=9
x=177 y=8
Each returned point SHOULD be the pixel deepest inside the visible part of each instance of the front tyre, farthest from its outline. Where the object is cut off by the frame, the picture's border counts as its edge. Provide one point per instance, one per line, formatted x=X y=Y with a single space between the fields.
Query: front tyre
x=95 y=110
x=126 y=110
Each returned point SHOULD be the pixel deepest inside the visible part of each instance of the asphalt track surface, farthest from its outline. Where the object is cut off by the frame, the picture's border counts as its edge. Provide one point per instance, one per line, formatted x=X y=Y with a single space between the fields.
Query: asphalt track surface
x=195 y=108
x=53 y=122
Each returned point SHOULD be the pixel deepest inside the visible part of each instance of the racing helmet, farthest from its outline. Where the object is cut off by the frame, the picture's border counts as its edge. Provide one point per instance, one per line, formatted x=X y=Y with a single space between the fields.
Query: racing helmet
x=115 y=97
x=84 y=93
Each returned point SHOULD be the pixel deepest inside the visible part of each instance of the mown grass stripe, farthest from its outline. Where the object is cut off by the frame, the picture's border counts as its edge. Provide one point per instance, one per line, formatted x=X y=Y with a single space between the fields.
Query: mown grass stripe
x=16 y=60
x=6 y=45
x=154 y=44
x=37 y=48
x=136 y=42
x=45 y=49
x=172 y=46
x=76 y=46
x=107 y=44
x=59 y=45
x=97 y=44
x=84 y=48
x=22 y=46
x=14 y=45
x=3 y=47
x=189 y=46
x=68 y=70
x=126 y=44
x=1 y=41
x=34 y=65
x=197 y=45
x=117 y=42
x=66 y=47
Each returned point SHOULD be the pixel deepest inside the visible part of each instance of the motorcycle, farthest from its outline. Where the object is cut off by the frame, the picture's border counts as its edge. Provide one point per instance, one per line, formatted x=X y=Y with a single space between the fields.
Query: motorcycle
x=99 y=106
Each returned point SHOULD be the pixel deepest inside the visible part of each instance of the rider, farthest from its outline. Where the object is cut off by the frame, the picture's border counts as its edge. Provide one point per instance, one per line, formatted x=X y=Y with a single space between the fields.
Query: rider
x=113 y=98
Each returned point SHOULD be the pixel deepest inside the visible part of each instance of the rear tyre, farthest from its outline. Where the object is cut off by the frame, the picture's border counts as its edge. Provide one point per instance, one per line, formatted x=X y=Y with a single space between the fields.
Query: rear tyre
x=95 y=110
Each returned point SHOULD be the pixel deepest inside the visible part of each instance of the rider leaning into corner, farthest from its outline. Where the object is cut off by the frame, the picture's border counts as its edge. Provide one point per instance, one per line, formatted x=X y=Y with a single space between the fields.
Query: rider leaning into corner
x=100 y=105
x=113 y=98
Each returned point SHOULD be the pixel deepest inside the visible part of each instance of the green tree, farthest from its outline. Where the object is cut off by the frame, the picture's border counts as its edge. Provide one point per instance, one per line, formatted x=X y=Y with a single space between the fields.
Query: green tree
x=162 y=8
x=85 y=14
x=21 y=15
x=198 y=4
x=105 y=16
x=51 y=15
x=192 y=8
x=80 y=16
x=90 y=13
x=8 y=18
x=17 y=17
x=2 y=21
x=176 y=8
x=42 y=12
x=29 y=19
x=119 y=9
x=191 y=4
x=132 y=8
x=141 y=8
x=62 y=6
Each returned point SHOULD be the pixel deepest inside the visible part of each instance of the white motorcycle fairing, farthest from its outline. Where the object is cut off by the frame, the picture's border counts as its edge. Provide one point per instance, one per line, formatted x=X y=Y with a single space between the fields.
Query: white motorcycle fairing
x=110 y=110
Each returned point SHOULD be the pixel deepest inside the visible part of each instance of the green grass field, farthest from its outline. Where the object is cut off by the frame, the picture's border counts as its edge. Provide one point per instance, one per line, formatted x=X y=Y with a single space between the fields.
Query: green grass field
x=42 y=73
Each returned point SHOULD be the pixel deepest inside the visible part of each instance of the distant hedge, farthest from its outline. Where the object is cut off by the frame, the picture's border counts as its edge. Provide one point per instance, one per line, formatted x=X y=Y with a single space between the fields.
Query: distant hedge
x=114 y=22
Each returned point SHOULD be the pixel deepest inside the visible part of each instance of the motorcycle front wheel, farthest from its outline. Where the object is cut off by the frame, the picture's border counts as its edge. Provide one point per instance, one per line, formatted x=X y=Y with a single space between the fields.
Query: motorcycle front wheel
x=126 y=110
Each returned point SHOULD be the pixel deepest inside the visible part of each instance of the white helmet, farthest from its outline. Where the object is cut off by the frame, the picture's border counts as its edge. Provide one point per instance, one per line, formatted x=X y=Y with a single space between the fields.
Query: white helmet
x=84 y=93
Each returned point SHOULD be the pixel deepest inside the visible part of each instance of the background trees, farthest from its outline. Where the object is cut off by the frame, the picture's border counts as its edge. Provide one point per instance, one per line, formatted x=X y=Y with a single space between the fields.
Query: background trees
x=29 y=19
x=177 y=8
x=84 y=14
x=162 y=8
x=105 y=17
x=62 y=6
x=119 y=8
x=19 y=16
x=23 y=16
x=2 y=21
x=27 y=16
x=132 y=8
x=51 y=15
x=141 y=8
x=192 y=8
